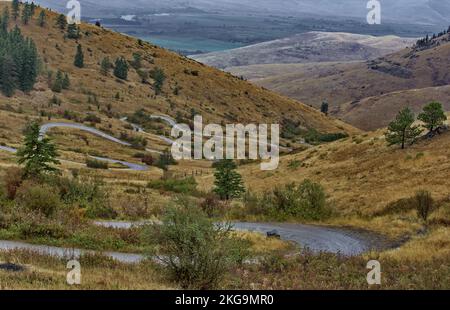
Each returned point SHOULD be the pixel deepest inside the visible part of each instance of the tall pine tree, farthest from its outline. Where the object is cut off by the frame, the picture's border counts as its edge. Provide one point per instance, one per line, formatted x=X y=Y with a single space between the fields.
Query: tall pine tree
x=121 y=68
x=38 y=154
x=42 y=18
x=15 y=7
x=26 y=13
x=4 y=21
x=79 y=57
x=228 y=183
x=61 y=21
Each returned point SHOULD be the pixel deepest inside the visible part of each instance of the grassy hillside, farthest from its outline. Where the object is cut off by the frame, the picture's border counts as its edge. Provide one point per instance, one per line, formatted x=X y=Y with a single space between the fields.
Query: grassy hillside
x=189 y=87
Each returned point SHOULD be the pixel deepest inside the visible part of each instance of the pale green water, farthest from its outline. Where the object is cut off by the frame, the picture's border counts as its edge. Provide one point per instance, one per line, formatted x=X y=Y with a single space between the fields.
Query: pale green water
x=191 y=45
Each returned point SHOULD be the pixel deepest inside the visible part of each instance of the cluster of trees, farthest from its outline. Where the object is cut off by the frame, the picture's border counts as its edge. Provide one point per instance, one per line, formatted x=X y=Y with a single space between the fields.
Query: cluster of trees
x=62 y=81
x=158 y=77
x=403 y=131
x=121 y=68
x=18 y=60
x=27 y=12
x=428 y=41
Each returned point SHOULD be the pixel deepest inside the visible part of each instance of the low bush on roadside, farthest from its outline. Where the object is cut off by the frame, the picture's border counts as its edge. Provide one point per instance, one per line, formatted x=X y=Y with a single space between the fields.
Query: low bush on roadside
x=213 y=206
x=96 y=164
x=38 y=197
x=306 y=201
x=424 y=204
x=12 y=181
x=196 y=253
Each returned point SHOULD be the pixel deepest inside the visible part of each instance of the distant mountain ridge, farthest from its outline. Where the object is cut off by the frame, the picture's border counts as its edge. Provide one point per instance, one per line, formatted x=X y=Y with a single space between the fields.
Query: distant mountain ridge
x=307 y=47
x=401 y=11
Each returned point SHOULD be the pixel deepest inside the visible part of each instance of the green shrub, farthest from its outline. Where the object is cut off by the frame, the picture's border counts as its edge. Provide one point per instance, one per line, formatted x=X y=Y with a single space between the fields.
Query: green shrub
x=165 y=159
x=11 y=182
x=38 y=197
x=34 y=226
x=138 y=142
x=96 y=164
x=424 y=204
x=196 y=252
x=81 y=192
x=182 y=186
x=212 y=205
x=100 y=210
x=91 y=118
x=313 y=136
x=294 y=164
x=400 y=206
x=305 y=201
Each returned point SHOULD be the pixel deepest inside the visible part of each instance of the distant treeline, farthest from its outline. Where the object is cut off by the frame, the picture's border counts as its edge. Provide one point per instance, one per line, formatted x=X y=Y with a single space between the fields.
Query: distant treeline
x=428 y=41
x=18 y=59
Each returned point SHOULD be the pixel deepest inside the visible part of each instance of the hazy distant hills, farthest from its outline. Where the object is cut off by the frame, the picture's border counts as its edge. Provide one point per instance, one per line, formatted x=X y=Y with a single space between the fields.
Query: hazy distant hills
x=401 y=11
x=306 y=48
x=368 y=94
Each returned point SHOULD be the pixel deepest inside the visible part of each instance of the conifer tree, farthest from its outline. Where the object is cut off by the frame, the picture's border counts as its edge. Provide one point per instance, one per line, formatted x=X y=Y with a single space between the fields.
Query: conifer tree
x=324 y=107
x=121 y=68
x=402 y=130
x=58 y=84
x=158 y=77
x=38 y=154
x=228 y=182
x=66 y=81
x=42 y=18
x=26 y=14
x=4 y=21
x=73 y=32
x=15 y=9
x=7 y=75
x=32 y=9
x=433 y=115
x=28 y=69
x=18 y=61
x=79 y=57
x=105 y=66
x=61 y=21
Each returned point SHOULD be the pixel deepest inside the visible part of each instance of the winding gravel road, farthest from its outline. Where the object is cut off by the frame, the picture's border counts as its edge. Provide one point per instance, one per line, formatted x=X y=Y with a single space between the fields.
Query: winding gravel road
x=316 y=238
x=67 y=253
x=137 y=167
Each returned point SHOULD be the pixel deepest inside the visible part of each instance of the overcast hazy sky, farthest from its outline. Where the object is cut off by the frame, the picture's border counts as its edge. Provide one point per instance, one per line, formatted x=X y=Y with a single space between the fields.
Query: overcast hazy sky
x=405 y=11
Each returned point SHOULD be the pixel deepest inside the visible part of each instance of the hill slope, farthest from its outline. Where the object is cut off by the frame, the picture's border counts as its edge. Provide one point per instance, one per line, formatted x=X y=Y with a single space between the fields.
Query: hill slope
x=189 y=87
x=307 y=47
x=362 y=175
x=349 y=86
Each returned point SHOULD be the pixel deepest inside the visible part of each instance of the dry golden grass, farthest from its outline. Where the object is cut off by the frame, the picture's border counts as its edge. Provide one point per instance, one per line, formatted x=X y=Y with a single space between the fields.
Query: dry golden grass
x=434 y=244
x=45 y=272
x=261 y=244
